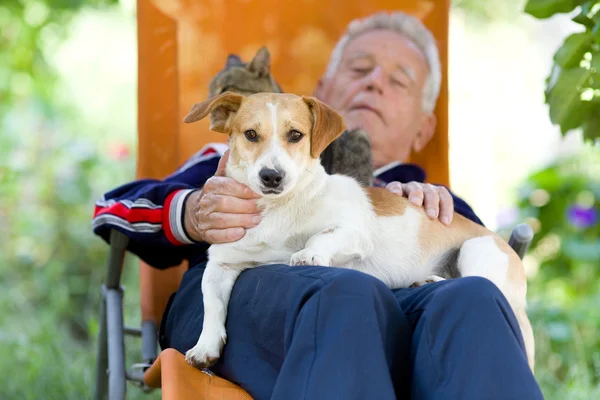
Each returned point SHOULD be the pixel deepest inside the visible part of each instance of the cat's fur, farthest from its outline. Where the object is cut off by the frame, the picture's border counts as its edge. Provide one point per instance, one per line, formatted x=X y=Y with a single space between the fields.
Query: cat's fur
x=350 y=154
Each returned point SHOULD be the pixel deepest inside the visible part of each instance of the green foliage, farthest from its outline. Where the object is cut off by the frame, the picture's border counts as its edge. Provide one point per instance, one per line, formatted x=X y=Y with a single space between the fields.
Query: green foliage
x=486 y=11
x=51 y=172
x=573 y=86
x=30 y=31
x=562 y=203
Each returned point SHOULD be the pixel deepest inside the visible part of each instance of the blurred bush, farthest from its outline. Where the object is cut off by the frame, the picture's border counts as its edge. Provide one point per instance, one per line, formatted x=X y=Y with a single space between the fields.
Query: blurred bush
x=51 y=172
x=562 y=204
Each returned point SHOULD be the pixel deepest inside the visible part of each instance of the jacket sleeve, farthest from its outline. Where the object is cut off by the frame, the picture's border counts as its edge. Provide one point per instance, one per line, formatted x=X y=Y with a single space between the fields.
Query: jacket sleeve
x=150 y=212
x=462 y=208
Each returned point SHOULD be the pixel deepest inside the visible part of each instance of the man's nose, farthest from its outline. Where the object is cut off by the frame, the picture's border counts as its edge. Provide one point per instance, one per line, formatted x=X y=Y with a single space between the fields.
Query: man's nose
x=374 y=81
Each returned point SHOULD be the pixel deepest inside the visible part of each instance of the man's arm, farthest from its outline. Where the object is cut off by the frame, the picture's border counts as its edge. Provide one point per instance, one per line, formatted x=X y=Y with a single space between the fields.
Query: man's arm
x=150 y=212
x=462 y=208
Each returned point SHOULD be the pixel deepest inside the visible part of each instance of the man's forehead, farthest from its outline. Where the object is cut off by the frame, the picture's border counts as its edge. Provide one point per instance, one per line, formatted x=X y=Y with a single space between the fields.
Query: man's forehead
x=380 y=43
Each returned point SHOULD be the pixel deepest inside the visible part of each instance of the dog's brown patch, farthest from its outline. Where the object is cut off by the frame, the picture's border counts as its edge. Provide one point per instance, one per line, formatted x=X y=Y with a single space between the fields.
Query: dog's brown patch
x=328 y=125
x=386 y=203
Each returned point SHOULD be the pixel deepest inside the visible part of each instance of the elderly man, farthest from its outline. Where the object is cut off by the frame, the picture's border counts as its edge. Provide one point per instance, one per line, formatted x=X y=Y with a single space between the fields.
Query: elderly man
x=325 y=333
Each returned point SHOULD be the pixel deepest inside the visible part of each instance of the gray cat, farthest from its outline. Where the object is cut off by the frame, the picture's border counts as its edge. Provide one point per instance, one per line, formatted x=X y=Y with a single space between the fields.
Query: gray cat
x=350 y=154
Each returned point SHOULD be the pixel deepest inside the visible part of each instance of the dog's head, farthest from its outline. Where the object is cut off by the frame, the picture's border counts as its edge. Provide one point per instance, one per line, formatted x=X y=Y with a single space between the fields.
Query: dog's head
x=275 y=139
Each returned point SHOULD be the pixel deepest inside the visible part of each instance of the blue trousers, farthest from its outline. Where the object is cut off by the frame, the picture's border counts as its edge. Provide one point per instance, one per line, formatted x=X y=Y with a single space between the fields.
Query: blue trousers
x=331 y=333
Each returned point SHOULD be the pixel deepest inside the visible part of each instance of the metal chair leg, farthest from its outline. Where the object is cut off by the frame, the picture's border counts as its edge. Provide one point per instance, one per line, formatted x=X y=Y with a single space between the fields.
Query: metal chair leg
x=116 y=346
x=102 y=356
x=110 y=362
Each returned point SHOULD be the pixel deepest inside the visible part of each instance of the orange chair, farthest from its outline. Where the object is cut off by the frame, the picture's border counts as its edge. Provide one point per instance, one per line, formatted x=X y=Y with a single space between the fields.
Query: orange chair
x=182 y=44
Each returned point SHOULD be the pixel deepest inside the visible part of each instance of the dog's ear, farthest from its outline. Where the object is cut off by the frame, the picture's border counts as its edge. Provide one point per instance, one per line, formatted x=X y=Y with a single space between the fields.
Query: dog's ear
x=328 y=125
x=261 y=63
x=222 y=108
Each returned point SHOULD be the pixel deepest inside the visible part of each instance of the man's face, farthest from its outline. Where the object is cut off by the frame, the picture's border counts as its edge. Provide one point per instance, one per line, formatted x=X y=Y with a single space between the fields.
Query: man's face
x=378 y=86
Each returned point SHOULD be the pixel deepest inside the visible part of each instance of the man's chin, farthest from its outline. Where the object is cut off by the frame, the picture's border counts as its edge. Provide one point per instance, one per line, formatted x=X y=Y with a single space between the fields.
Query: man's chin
x=363 y=119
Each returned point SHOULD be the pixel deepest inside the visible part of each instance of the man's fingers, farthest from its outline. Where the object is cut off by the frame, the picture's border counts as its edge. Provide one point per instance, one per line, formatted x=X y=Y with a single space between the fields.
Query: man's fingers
x=211 y=203
x=394 y=187
x=225 y=186
x=414 y=192
x=222 y=164
x=219 y=220
x=446 y=205
x=215 y=236
x=431 y=201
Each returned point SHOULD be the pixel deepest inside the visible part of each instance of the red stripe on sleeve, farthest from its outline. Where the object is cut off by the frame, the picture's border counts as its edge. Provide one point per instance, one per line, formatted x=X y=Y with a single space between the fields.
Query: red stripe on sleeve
x=166 y=223
x=154 y=216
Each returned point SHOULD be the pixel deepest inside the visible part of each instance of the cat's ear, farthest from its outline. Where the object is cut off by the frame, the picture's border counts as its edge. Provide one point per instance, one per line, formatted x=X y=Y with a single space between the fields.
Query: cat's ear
x=234 y=61
x=261 y=63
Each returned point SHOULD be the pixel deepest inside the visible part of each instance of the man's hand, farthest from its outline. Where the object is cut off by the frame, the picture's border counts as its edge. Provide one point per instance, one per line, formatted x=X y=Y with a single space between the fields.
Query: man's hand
x=437 y=200
x=222 y=210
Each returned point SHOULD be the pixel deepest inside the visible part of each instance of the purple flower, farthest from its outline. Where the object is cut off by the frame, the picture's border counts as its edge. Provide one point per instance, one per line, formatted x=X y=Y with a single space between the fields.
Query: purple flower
x=582 y=217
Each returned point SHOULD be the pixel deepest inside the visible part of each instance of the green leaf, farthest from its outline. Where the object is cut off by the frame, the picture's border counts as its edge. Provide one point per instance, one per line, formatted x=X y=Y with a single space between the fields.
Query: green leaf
x=591 y=126
x=547 y=8
x=563 y=97
x=573 y=48
x=596 y=27
x=583 y=19
x=595 y=70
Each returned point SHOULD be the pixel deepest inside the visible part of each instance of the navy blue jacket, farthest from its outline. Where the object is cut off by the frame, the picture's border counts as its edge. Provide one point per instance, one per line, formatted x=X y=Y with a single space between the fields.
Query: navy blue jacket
x=150 y=211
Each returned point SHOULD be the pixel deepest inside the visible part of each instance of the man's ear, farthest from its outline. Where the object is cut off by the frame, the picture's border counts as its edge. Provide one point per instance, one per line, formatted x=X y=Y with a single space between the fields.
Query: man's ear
x=425 y=133
x=261 y=63
x=328 y=125
x=222 y=109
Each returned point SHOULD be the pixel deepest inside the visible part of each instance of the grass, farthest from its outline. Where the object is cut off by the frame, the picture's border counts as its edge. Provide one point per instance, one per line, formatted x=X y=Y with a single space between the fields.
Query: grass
x=41 y=360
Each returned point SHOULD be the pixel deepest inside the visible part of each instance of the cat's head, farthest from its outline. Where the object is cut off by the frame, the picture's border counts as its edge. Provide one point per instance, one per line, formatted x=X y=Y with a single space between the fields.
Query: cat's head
x=245 y=78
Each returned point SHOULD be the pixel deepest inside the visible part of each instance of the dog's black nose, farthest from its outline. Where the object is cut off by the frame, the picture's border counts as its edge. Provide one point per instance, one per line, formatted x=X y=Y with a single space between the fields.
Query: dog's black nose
x=271 y=178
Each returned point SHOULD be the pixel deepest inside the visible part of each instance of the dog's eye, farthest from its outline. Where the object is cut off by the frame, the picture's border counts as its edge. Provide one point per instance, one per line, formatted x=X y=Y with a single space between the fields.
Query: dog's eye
x=294 y=136
x=251 y=135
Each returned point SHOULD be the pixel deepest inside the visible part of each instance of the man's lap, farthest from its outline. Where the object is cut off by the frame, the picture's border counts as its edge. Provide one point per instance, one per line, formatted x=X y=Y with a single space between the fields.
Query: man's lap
x=264 y=293
x=269 y=303
x=262 y=296
x=266 y=302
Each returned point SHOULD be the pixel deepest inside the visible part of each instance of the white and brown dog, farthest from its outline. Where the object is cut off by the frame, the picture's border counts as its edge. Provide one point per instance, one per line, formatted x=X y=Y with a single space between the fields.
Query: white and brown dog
x=311 y=218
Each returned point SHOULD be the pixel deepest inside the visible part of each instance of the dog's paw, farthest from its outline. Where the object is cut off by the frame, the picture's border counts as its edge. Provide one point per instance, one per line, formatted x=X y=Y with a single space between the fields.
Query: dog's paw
x=429 y=279
x=309 y=257
x=208 y=349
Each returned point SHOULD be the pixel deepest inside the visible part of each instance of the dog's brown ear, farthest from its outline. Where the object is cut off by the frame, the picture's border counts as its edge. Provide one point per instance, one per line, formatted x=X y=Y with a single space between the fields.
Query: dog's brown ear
x=261 y=63
x=328 y=125
x=222 y=108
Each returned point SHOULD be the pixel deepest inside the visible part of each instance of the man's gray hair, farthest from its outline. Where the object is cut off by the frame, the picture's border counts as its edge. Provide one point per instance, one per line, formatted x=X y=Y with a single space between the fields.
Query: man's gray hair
x=407 y=25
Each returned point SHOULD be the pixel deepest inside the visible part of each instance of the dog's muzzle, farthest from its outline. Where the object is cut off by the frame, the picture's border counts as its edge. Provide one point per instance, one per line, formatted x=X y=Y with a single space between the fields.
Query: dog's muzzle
x=271 y=180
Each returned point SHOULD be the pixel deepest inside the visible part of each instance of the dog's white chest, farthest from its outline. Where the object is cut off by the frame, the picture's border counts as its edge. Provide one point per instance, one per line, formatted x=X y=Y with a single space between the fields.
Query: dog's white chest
x=273 y=241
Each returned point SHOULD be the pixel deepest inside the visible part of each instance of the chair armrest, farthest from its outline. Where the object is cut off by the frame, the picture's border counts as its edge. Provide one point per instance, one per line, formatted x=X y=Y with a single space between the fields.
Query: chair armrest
x=521 y=239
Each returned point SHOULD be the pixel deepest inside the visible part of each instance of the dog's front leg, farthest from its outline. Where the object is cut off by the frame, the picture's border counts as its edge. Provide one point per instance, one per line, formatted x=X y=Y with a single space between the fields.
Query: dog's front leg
x=217 y=284
x=333 y=246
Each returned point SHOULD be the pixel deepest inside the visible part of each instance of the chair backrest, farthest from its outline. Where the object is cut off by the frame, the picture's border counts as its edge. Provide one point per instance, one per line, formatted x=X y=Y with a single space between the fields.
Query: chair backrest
x=183 y=43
